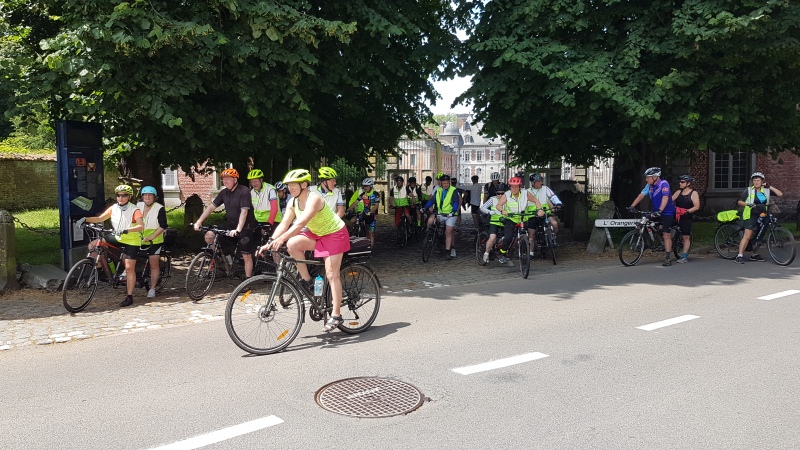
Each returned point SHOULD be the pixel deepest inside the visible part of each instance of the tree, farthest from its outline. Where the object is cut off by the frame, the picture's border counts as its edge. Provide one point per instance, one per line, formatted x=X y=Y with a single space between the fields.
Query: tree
x=179 y=83
x=640 y=81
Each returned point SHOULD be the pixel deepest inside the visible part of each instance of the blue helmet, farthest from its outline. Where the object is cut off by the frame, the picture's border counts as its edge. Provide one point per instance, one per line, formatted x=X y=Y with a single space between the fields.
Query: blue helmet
x=149 y=190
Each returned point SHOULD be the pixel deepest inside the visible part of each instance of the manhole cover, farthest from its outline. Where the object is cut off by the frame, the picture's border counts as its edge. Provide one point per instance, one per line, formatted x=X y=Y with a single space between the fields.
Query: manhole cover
x=369 y=397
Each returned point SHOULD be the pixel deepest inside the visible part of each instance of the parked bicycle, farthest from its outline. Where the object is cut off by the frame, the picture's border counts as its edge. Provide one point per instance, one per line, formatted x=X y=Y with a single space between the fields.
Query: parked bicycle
x=780 y=241
x=215 y=261
x=648 y=236
x=265 y=313
x=518 y=247
x=81 y=283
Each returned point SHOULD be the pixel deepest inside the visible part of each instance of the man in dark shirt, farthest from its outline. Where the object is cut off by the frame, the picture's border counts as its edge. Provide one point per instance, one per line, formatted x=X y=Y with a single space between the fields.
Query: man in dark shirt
x=239 y=216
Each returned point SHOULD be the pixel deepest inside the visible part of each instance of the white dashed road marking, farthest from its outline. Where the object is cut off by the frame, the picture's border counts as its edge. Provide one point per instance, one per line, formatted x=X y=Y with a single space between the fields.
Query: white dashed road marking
x=666 y=323
x=223 y=434
x=519 y=359
x=779 y=294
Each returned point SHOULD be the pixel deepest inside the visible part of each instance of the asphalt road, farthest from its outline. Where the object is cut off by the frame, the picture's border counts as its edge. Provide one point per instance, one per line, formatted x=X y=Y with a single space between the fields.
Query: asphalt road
x=723 y=376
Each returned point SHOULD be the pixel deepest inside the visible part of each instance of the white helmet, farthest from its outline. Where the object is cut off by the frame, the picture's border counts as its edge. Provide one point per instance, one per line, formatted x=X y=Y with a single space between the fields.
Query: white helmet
x=653 y=172
x=758 y=175
x=367 y=182
x=495 y=176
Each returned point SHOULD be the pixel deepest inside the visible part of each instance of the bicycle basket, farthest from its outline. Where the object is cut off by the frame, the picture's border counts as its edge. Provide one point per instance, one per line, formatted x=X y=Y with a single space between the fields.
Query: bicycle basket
x=730 y=215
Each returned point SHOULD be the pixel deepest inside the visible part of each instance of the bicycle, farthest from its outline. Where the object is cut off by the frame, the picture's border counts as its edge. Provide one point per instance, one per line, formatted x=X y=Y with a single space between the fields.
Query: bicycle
x=519 y=245
x=81 y=283
x=545 y=238
x=431 y=236
x=648 y=235
x=264 y=314
x=405 y=230
x=360 y=228
x=213 y=261
x=780 y=241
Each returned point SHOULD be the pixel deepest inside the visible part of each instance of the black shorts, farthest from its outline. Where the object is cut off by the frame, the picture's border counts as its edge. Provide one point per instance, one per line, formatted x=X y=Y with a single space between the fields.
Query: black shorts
x=495 y=229
x=247 y=242
x=751 y=223
x=666 y=223
x=153 y=249
x=131 y=251
x=533 y=222
x=685 y=225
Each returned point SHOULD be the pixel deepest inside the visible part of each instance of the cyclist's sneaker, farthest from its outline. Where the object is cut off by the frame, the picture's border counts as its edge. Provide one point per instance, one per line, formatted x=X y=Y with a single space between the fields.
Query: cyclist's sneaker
x=502 y=260
x=739 y=260
x=151 y=293
x=452 y=253
x=756 y=257
x=531 y=254
x=448 y=254
x=332 y=324
x=667 y=263
x=127 y=302
x=682 y=261
x=486 y=257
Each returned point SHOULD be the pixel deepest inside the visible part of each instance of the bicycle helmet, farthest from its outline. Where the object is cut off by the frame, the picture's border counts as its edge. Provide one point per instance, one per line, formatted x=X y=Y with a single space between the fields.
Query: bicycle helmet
x=399 y=179
x=758 y=175
x=653 y=172
x=495 y=176
x=326 y=173
x=280 y=186
x=297 y=176
x=536 y=177
x=501 y=188
x=439 y=175
x=444 y=177
x=515 y=181
x=687 y=178
x=412 y=179
x=149 y=190
x=367 y=182
x=124 y=188
x=255 y=173
x=230 y=173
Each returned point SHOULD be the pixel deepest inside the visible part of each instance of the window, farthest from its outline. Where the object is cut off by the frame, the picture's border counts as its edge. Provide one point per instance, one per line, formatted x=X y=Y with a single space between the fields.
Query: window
x=479 y=155
x=413 y=160
x=730 y=170
x=466 y=173
x=465 y=156
x=491 y=155
x=169 y=179
x=502 y=156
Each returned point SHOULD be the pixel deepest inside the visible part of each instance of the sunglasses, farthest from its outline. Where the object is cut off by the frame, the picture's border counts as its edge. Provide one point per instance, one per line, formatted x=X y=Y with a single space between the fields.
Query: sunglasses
x=682 y=181
x=123 y=195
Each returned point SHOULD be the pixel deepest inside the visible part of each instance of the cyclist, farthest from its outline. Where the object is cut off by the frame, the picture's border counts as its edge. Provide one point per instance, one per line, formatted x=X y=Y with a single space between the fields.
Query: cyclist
x=283 y=199
x=659 y=193
x=399 y=200
x=327 y=188
x=491 y=187
x=515 y=201
x=549 y=200
x=324 y=232
x=687 y=202
x=445 y=200
x=154 y=218
x=265 y=201
x=366 y=202
x=126 y=220
x=755 y=200
x=239 y=217
x=472 y=200
x=427 y=190
x=460 y=195
x=414 y=198
x=495 y=225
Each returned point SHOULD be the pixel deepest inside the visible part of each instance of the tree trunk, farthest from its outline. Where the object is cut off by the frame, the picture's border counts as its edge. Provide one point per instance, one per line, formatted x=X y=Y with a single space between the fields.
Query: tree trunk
x=628 y=174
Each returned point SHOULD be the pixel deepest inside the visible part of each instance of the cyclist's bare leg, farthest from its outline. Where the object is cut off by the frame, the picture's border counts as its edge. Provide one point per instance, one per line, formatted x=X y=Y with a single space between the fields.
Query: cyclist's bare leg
x=448 y=237
x=554 y=222
x=748 y=234
x=531 y=239
x=490 y=242
x=297 y=246
x=407 y=211
x=333 y=265
x=686 y=243
x=667 y=242
x=130 y=274
x=155 y=270
x=248 y=264
x=431 y=218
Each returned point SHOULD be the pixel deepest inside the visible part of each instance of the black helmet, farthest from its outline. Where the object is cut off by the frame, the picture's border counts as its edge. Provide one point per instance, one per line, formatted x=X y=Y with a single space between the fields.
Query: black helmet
x=444 y=177
x=687 y=178
x=536 y=177
x=501 y=188
x=412 y=179
x=399 y=179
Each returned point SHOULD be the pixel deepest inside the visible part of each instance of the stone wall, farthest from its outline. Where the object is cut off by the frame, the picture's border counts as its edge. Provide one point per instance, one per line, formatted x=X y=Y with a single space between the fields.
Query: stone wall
x=30 y=182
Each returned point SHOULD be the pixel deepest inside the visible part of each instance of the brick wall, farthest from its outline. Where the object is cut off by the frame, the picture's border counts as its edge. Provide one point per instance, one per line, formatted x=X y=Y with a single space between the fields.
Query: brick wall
x=203 y=185
x=30 y=182
x=784 y=173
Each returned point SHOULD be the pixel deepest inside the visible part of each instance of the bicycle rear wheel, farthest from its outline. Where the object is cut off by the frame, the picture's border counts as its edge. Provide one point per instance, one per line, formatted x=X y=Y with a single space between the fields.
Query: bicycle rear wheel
x=480 y=246
x=631 y=248
x=200 y=275
x=780 y=244
x=726 y=240
x=524 y=256
x=257 y=322
x=80 y=285
x=402 y=234
x=361 y=297
x=550 y=240
x=429 y=243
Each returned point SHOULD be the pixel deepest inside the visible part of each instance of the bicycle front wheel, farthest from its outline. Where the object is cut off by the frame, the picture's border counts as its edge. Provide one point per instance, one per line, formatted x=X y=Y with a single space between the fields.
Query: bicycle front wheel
x=361 y=297
x=726 y=240
x=200 y=275
x=402 y=234
x=524 y=256
x=631 y=248
x=550 y=240
x=780 y=244
x=80 y=285
x=480 y=246
x=257 y=321
x=429 y=243
x=164 y=269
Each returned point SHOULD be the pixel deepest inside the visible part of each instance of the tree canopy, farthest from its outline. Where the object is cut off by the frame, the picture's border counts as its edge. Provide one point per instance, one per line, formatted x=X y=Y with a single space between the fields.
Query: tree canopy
x=185 y=82
x=590 y=78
